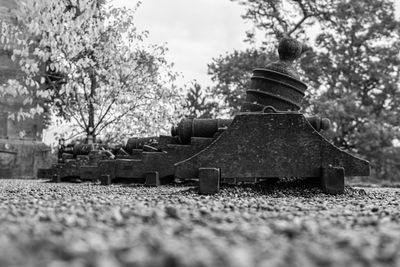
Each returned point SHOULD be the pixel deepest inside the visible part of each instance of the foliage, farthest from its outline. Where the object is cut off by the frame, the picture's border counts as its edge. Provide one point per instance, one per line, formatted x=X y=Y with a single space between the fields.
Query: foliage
x=232 y=73
x=92 y=67
x=352 y=72
x=277 y=18
x=359 y=67
x=199 y=103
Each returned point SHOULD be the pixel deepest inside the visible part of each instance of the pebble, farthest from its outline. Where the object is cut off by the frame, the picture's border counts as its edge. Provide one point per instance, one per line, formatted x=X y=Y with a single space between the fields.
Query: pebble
x=91 y=225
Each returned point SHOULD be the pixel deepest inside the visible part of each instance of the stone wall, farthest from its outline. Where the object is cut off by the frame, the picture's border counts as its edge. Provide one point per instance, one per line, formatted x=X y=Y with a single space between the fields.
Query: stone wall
x=22 y=158
x=21 y=149
x=28 y=128
x=6 y=7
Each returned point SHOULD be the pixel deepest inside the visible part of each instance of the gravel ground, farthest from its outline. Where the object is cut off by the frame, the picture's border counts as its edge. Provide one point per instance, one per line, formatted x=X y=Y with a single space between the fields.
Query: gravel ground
x=46 y=224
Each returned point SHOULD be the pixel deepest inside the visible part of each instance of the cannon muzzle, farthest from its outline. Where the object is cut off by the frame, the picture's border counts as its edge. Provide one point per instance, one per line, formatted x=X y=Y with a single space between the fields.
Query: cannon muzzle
x=191 y=127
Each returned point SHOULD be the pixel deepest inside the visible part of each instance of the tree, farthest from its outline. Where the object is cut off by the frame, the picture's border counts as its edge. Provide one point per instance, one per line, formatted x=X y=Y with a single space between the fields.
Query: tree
x=352 y=72
x=90 y=65
x=232 y=72
x=359 y=67
x=199 y=103
x=277 y=18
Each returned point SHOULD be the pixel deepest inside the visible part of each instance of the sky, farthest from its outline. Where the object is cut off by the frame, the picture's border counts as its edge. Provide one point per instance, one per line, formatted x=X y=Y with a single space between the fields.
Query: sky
x=195 y=31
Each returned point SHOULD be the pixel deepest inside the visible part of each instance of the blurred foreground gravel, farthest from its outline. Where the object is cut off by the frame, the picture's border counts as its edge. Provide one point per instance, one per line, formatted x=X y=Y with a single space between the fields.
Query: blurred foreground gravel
x=46 y=224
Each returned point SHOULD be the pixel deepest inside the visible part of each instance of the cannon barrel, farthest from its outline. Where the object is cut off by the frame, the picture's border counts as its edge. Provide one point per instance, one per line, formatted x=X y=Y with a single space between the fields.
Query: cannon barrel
x=277 y=85
x=73 y=150
x=140 y=143
x=191 y=127
x=271 y=88
x=84 y=149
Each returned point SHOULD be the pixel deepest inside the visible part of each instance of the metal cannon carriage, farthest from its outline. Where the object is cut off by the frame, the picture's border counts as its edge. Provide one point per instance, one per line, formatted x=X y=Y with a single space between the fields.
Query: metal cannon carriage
x=268 y=138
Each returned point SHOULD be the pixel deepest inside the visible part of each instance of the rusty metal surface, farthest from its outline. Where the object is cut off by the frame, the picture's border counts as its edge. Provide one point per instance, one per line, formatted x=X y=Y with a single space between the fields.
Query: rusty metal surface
x=191 y=127
x=271 y=145
x=209 y=180
x=152 y=179
x=277 y=84
x=139 y=143
x=269 y=139
x=135 y=169
x=271 y=88
x=289 y=50
x=332 y=179
x=89 y=172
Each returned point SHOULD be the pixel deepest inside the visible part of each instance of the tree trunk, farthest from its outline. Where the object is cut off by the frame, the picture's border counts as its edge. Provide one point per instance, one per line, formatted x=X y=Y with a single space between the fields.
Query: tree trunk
x=91 y=136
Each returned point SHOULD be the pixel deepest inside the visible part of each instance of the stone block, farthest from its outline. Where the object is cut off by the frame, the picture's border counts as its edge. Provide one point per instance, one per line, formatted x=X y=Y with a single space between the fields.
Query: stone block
x=56 y=178
x=152 y=179
x=89 y=173
x=332 y=180
x=105 y=180
x=209 y=180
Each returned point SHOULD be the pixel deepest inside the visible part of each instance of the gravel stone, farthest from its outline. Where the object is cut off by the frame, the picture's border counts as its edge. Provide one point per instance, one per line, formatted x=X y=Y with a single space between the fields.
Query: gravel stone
x=280 y=224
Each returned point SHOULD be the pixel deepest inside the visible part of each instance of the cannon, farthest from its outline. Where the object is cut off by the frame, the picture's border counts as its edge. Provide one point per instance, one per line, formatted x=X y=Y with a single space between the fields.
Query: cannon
x=146 y=143
x=150 y=162
x=270 y=138
x=79 y=161
x=192 y=127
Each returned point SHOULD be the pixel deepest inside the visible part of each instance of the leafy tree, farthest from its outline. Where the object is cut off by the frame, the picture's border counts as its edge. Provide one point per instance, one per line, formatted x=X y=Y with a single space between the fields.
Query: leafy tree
x=352 y=71
x=90 y=65
x=232 y=72
x=359 y=67
x=277 y=18
x=199 y=103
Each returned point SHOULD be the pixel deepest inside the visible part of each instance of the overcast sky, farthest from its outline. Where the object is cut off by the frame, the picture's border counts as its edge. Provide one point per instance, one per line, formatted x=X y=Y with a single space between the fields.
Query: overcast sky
x=195 y=31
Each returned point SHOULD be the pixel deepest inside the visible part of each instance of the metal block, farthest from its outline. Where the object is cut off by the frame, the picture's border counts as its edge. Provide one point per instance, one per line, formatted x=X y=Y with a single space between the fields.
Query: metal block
x=89 y=172
x=56 y=178
x=152 y=179
x=270 y=145
x=332 y=180
x=43 y=173
x=209 y=180
x=191 y=127
x=105 y=180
